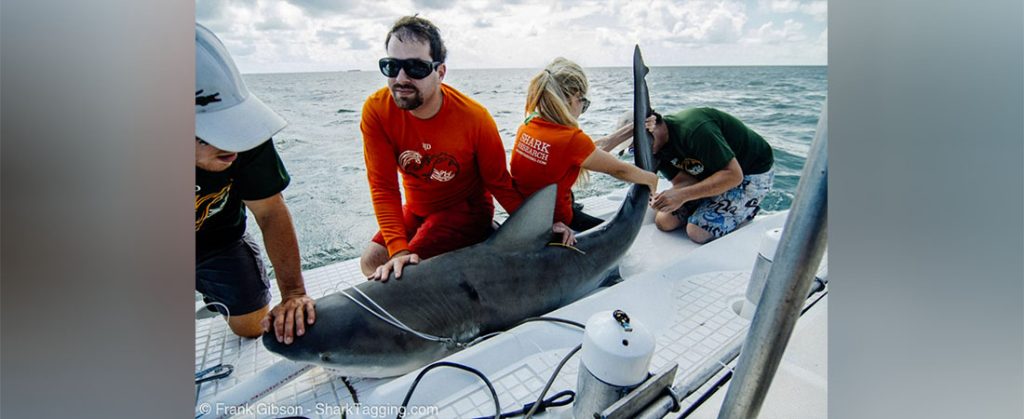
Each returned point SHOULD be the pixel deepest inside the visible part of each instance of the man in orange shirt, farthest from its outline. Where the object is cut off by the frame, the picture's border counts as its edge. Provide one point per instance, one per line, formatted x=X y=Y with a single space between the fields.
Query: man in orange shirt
x=445 y=144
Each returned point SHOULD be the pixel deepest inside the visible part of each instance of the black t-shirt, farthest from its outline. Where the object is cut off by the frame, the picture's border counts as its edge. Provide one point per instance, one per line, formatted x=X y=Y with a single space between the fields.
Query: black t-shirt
x=220 y=216
x=702 y=141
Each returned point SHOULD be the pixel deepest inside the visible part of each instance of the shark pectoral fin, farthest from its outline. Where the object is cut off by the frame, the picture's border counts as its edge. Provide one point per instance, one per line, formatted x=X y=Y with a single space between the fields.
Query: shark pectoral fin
x=530 y=226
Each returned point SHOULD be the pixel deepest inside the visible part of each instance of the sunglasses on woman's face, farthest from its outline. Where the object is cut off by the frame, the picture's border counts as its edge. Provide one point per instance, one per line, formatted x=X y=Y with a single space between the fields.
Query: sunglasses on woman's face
x=586 y=104
x=414 y=67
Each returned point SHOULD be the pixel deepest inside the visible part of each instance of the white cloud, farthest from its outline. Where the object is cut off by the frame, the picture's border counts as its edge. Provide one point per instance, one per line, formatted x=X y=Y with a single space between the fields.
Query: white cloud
x=432 y=4
x=321 y=7
x=816 y=9
x=322 y=35
x=686 y=23
x=280 y=17
x=790 y=32
x=723 y=25
x=783 y=6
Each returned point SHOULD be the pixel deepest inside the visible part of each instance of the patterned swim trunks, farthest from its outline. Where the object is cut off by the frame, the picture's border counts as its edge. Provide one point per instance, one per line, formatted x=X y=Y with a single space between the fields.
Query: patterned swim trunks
x=721 y=214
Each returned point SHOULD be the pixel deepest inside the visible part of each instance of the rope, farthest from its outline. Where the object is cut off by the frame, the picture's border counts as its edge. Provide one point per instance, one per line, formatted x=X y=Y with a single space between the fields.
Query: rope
x=388 y=318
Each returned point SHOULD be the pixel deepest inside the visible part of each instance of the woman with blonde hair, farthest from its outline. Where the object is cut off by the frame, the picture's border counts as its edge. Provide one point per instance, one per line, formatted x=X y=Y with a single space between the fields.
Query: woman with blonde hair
x=551 y=148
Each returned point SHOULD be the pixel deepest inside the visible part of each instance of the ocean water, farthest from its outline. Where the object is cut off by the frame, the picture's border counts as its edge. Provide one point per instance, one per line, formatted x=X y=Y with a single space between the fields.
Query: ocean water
x=322 y=147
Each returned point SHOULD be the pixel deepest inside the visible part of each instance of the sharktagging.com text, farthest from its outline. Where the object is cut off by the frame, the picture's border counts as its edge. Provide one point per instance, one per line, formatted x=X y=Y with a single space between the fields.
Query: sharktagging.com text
x=320 y=409
x=373 y=410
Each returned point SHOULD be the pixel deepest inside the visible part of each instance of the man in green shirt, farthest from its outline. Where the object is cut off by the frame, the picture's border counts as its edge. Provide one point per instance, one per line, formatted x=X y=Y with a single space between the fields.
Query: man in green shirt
x=237 y=167
x=720 y=171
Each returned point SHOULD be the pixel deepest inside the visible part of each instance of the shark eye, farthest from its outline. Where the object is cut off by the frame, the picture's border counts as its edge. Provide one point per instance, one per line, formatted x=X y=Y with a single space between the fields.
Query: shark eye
x=325 y=357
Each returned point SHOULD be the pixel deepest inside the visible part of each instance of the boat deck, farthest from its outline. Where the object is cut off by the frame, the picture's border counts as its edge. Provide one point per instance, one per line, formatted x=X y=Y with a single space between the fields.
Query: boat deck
x=688 y=295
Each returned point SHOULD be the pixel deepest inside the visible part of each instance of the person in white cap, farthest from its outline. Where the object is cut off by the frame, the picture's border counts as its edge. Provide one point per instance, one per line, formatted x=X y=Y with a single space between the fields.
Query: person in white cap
x=236 y=166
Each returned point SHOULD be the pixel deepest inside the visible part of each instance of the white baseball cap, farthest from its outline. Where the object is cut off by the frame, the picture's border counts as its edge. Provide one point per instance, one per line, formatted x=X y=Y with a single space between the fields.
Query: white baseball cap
x=227 y=115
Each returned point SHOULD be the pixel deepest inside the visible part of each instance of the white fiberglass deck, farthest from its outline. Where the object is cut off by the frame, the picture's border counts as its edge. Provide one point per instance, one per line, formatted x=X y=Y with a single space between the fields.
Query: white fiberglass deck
x=683 y=292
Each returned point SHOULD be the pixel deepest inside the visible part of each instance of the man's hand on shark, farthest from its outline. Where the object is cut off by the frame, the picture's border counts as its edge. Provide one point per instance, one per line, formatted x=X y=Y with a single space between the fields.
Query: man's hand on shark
x=668 y=200
x=290 y=317
x=568 y=237
x=649 y=123
x=396 y=263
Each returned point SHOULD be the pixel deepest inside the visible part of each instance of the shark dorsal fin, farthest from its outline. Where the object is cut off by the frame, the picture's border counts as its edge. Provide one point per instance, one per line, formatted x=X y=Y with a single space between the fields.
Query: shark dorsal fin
x=530 y=226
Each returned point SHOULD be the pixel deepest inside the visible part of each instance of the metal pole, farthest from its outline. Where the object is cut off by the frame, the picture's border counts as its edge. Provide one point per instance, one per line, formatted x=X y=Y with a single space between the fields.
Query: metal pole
x=796 y=261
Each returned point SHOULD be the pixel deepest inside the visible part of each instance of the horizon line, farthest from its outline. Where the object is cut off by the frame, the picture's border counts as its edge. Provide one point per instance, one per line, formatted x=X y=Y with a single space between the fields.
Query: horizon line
x=353 y=70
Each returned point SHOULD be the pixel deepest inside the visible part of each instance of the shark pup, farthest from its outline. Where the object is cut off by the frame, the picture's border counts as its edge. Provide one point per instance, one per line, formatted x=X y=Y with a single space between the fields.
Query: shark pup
x=466 y=293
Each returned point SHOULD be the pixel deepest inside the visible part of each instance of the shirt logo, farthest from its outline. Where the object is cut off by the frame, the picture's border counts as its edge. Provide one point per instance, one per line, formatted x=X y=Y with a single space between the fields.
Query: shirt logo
x=691 y=166
x=209 y=205
x=441 y=167
x=533 y=149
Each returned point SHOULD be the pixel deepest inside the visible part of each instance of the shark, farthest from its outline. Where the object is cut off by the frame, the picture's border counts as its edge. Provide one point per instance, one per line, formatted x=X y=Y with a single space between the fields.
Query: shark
x=386 y=329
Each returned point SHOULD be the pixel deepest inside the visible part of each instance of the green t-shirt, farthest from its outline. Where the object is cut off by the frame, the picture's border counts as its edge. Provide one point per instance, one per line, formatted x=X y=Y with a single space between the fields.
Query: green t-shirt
x=701 y=141
x=220 y=217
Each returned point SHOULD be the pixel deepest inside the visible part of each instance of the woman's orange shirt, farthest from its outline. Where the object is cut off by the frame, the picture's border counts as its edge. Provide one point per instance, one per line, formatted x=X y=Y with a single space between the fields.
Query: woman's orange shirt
x=546 y=153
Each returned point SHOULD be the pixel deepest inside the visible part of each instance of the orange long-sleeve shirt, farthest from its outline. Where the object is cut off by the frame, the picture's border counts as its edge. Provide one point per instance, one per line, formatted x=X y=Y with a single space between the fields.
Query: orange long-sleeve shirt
x=546 y=153
x=444 y=160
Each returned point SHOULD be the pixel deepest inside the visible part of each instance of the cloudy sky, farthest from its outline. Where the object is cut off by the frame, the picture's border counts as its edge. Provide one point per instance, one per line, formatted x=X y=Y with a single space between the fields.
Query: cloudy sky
x=324 y=35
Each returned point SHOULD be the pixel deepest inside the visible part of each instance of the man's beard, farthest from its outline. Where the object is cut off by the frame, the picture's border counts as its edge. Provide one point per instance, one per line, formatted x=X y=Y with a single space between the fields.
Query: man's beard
x=407 y=103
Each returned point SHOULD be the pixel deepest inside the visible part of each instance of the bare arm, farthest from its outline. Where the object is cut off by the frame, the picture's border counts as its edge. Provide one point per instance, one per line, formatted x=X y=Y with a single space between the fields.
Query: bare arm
x=623 y=133
x=296 y=308
x=602 y=161
x=682 y=192
x=609 y=142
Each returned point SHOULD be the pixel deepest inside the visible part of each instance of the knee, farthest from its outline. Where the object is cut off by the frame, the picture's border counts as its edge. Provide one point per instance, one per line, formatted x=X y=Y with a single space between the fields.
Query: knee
x=374 y=256
x=247 y=331
x=248 y=325
x=666 y=221
x=698 y=235
x=366 y=266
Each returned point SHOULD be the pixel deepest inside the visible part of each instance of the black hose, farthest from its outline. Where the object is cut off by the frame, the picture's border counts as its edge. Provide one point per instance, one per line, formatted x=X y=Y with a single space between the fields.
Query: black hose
x=562 y=398
x=540 y=399
x=527 y=320
x=529 y=408
x=550 y=319
x=494 y=394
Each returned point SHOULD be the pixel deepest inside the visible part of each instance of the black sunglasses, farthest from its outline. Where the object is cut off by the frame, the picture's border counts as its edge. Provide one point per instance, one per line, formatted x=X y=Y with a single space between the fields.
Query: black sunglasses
x=586 y=104
x=414 y=67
